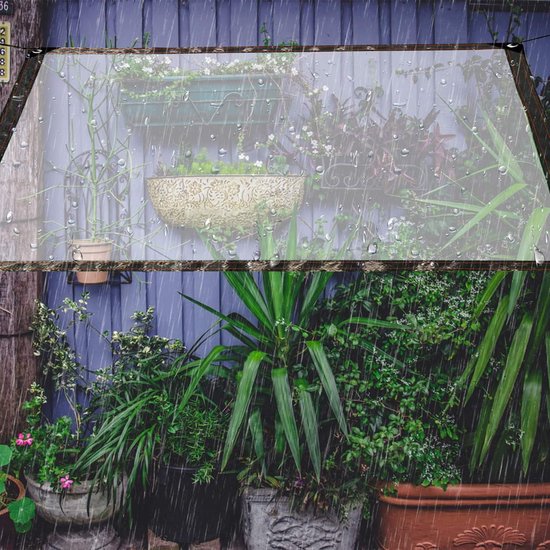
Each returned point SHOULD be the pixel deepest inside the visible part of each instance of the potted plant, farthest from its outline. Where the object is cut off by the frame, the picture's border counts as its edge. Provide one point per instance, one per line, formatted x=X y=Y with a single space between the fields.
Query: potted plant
x=350 y=145
x=155 y=93
x=402 y=399
x=160 y=426
x=64 y=496
x=197 y=192
x=414 y=453
x=287 y=408
x=96 y=180
x=16 y=510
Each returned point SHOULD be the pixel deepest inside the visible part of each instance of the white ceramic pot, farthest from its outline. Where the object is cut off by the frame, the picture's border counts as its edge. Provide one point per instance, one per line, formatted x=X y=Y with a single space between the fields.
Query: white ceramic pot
x=270 y=522
x=224 y=201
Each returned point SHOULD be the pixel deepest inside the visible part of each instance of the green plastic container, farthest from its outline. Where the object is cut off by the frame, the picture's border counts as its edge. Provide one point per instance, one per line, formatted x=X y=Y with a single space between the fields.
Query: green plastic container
x=206 y=100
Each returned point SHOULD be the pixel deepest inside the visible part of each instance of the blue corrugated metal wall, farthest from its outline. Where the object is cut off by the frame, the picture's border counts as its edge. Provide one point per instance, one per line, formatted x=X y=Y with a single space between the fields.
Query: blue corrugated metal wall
x=123 y=23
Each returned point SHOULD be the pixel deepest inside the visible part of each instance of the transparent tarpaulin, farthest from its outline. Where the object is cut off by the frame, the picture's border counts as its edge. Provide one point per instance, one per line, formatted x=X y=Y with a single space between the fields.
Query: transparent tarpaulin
x=398 y=154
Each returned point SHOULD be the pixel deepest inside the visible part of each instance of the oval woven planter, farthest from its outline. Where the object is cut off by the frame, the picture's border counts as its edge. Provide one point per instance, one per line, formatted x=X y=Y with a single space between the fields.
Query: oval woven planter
x=224 y=201
x=465 y=517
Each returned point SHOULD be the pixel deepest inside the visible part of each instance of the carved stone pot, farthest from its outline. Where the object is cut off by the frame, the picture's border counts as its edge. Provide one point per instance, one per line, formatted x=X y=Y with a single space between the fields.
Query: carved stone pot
x=465 y=517
x=270 y=522
x=224 y=201
x=78 y=524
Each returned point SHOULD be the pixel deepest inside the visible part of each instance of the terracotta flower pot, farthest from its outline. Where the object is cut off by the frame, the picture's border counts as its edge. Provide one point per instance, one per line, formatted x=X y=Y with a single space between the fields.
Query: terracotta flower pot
x=88 y=250
x=224 y=201
x=7 y=530
x=465 y=517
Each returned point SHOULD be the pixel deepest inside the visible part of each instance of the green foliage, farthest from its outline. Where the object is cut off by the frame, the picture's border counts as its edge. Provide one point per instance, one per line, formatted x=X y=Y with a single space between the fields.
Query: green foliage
x=187 y=164
x=510 y=362
x=288 y=418
x=400 y=395
x=150 y=407
x=153 y=76
x=21 y=512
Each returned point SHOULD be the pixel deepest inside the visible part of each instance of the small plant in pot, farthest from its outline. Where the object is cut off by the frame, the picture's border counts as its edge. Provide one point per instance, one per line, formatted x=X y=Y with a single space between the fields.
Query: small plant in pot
x=64 y=496
x=96 y=180
x=287 y=418
x=161 y=418
x=216 y=91
x=16 y=510
x=204 y=194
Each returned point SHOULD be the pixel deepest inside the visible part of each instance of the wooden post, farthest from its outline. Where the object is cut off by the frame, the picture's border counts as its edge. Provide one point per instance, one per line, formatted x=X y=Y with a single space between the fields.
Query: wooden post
x=19 y=174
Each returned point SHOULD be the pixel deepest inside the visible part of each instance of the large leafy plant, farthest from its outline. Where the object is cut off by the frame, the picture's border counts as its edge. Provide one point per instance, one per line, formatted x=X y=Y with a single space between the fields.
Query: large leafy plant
x=401 y=397
x=150 y=407
x=282 y=371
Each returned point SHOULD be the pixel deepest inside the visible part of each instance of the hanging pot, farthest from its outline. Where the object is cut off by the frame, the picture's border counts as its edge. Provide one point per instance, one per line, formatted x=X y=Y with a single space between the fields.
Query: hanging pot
x=224 y=201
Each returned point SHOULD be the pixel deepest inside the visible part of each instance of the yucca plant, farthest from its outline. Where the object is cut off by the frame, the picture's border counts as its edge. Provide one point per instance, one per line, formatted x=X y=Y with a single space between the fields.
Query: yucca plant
x=282 y=371
x=527 y=361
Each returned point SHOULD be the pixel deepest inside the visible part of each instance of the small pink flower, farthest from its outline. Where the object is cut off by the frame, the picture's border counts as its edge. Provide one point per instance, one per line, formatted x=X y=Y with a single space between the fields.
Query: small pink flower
x=24 y=440
x=66 y=482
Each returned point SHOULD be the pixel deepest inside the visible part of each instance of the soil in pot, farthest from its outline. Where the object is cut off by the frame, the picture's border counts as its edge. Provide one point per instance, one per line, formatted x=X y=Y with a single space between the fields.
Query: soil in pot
x=466 y=517
x=8 y=535
x=186 y=512
x=89 y=251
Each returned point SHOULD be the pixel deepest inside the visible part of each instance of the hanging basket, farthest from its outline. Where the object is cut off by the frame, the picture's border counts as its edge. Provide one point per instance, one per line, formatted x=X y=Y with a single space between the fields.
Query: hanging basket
x=205 y=100
x=224 y=201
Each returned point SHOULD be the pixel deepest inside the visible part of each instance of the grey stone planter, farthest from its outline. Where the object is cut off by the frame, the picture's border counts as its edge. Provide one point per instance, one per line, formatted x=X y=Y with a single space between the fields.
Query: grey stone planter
x=77 y=524
x=269 y=522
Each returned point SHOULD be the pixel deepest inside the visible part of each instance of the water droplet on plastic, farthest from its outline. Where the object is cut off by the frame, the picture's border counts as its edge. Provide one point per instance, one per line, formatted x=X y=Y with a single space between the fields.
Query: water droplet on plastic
x=404 y=152
x=9 y=217
x=539 y=256
x=372 y=248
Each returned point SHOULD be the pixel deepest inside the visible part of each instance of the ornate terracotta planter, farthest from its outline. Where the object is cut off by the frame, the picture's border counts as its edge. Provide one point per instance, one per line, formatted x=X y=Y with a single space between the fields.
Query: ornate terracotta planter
x=270 y=522
x=224 y=201
x=465 y=517
x=7 y=531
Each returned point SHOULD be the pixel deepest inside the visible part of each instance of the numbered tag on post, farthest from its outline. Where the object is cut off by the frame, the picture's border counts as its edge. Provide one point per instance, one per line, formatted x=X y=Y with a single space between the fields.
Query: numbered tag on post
x=4 y=51
x=7 y=7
